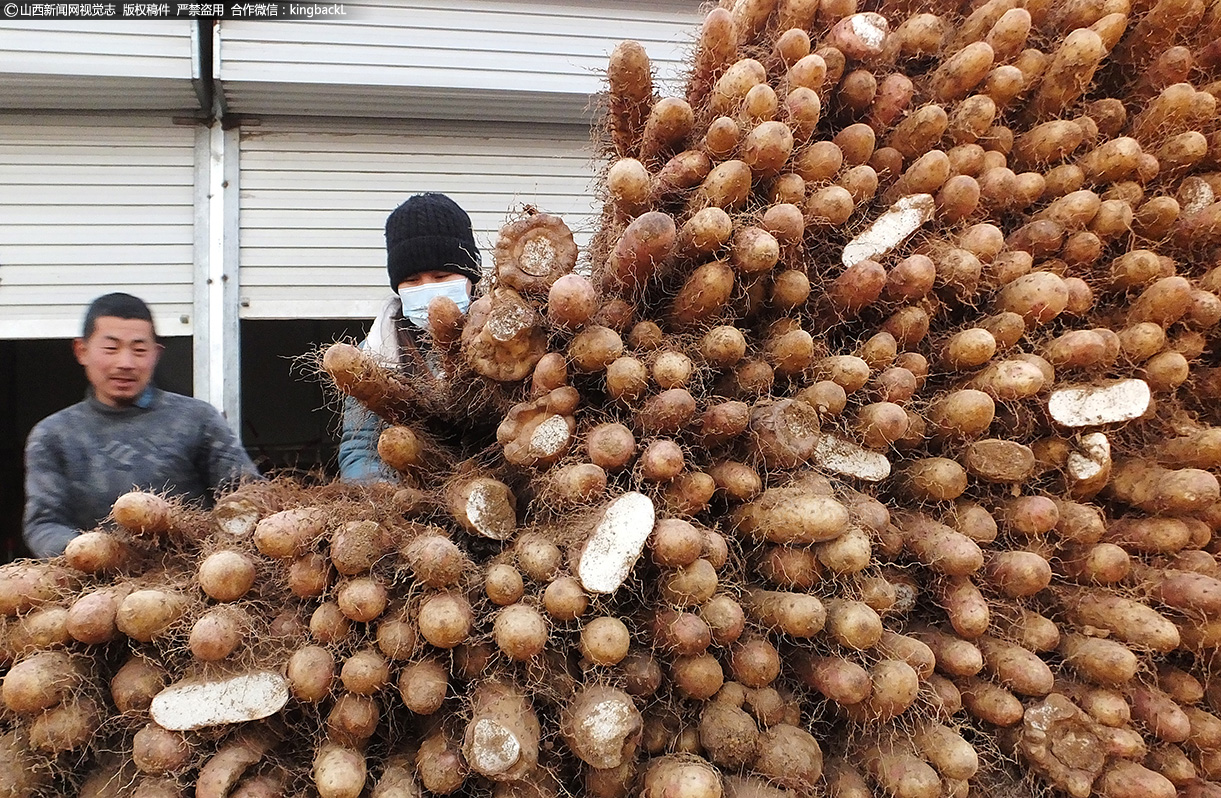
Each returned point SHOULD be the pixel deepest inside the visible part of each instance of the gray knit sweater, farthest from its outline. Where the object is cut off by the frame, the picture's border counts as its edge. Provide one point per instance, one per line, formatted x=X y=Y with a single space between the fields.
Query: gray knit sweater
x=79 y=460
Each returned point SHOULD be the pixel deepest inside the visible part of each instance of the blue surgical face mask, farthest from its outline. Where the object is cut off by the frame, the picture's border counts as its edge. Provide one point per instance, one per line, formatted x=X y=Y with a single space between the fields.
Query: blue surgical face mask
x=416 y=298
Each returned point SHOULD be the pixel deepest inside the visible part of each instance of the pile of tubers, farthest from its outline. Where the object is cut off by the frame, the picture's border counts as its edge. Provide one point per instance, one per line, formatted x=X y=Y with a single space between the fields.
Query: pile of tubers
x=870 y=452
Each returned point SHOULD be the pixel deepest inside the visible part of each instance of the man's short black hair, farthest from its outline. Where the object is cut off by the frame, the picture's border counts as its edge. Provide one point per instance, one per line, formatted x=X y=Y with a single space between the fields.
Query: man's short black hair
x=119 y=306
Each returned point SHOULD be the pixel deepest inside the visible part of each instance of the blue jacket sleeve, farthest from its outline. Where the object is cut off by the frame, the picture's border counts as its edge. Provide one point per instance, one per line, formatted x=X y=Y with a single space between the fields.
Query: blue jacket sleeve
x=358 y=458
x=45 y=527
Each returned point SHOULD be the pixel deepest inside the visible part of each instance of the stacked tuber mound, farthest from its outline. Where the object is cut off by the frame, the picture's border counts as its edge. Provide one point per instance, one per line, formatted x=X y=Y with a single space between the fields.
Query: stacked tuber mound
x=871 y=455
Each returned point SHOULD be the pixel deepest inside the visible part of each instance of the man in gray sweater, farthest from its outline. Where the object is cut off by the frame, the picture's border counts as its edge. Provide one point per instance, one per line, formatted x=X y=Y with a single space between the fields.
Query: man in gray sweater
x=127 y=434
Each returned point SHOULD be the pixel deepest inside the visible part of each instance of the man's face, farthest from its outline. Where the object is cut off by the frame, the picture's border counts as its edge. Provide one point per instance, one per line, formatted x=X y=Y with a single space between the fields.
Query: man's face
x=119 y=359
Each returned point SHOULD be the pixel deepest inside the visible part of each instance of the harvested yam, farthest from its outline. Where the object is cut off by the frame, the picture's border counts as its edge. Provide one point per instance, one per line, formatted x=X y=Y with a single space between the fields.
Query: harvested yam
x=1094 y=406
x=677 y=777
x=1088 y=465
x=217 y=633
x=934 y=479
x=532 y=253
x=95 y=552
x=954 y=656
x=1016 y=667
x=644 y=249
x=1160 y=714
x=1124 y=778
x=895 y=685
x=953 y=756
x=143 y=513
x=990 y=703
x=853 y=624
x=1000 y=461
x=631 y=83
x=965 y=605
x=227 y=575
x=357 y=545
x=339 y=772
x=310 y=673
x=359 y=375
x=520 y=631
x=40 y=682
x=289 y=533
x=91 y=618
x=784 y=433
x=445 y=619
x=540 y=432
x=795 y=614
x=1128 y=620
x=890 y=229
x=504 y=336
x=435 y=560
x=197 y=704
x=841 y=680
x=225 y=768
x=1183 y=590
x=146 y=614
x=135 y=684
x=939 y=546
x=484 y=506
x=846 y=457
x=1046 y=729
x=502 y=736
x=616 y=542
x=156 y=750
x=792 y=515
x=423 y=686
x=704 y=295
x=1155 y=489
x=601 y=726
x=896 y=768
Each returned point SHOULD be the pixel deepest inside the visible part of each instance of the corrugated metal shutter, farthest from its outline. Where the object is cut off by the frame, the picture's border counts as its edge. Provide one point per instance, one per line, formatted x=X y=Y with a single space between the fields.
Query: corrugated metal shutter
x=314 y=199
x=90 y=205
x=98 y=64
x=447 y=59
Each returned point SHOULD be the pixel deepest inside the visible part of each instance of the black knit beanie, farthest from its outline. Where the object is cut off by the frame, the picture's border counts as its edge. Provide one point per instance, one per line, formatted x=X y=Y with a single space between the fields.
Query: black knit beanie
x=430 y=232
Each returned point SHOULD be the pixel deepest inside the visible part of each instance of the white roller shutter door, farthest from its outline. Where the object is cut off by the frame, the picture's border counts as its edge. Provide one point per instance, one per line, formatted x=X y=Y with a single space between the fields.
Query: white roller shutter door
x=314 y=197
x=90 y=205
x=98 y=64
x=526 y=60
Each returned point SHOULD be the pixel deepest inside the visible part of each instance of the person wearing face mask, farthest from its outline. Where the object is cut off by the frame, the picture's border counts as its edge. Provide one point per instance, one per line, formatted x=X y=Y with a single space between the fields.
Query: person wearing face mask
x=430 y=252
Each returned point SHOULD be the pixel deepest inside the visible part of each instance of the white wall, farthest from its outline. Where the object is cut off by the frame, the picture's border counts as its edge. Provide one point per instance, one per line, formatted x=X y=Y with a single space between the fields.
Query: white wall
x=532 y=60
x=91 y=204
x=97 y=170
x=315 y=194
x=130 y=64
